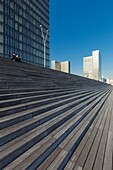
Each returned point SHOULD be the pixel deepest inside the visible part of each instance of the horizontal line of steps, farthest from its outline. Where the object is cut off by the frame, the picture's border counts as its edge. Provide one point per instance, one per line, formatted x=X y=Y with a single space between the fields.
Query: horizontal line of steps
x=91 y=145
x=53 y=120
x=60 y=137
x=45 y=104
x=21 y=116
x=37 y=121
x=46 y=131
x=16 y=101
x=22 y=90
x=71 y=145
x=18 y=94
x=37 y=73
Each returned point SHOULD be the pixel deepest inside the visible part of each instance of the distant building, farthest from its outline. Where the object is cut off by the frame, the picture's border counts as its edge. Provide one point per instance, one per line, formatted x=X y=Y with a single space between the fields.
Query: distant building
x=61 y=66
x=56 y=65
x=92 y=66
x=87 y=67
x=65 y=66
x=110 y=81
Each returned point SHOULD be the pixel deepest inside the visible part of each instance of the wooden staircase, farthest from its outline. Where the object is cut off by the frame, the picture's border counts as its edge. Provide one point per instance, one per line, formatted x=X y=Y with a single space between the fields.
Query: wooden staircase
x=53 y=120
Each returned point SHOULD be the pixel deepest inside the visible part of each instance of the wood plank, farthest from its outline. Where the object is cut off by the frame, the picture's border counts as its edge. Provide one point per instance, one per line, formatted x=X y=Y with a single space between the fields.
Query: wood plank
x=82 y=155
x=30 y=151
x=58 y=135
x=42 y=127
x=93 y=151
x=78 y=151
x=72 y=141
x=49 y=160
x=70 y=135
x=74 y=119
x=101 y=151
x=108 y=159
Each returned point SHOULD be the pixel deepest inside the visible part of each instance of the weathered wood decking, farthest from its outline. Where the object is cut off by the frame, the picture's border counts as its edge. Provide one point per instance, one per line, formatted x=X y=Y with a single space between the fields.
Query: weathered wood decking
x=52 y=127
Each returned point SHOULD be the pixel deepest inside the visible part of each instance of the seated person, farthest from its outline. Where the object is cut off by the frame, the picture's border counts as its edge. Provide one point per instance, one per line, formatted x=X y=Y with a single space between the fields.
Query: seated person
x=15 y=58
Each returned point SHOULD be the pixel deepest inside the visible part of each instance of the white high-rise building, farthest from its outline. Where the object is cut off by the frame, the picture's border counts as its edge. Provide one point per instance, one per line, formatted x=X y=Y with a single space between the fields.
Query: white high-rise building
x=61 y=66
x=56 y=65
x=92 y=66
x=65 y=66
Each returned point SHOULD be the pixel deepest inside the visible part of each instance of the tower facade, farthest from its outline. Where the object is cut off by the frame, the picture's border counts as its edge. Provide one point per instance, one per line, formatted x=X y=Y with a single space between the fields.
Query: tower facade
x=63 y=66
x=92 y=66
x=20 y=32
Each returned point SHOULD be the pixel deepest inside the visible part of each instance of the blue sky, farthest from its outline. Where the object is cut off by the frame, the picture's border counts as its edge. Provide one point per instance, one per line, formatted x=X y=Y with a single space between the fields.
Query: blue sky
x=77 y=28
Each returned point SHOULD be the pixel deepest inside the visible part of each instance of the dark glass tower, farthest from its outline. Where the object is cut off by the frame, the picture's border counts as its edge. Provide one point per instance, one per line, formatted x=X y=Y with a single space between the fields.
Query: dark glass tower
x=20 y=32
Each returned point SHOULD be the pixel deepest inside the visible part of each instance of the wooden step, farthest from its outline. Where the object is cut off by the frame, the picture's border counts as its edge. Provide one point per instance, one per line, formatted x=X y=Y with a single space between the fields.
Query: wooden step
x=48 y=130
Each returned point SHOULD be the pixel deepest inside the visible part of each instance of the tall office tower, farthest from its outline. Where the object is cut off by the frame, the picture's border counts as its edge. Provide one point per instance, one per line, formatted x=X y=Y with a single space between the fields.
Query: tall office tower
x=20 y=31
x=56 y=65
x=65 y=66
x=92 y=66
x=61 y=66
